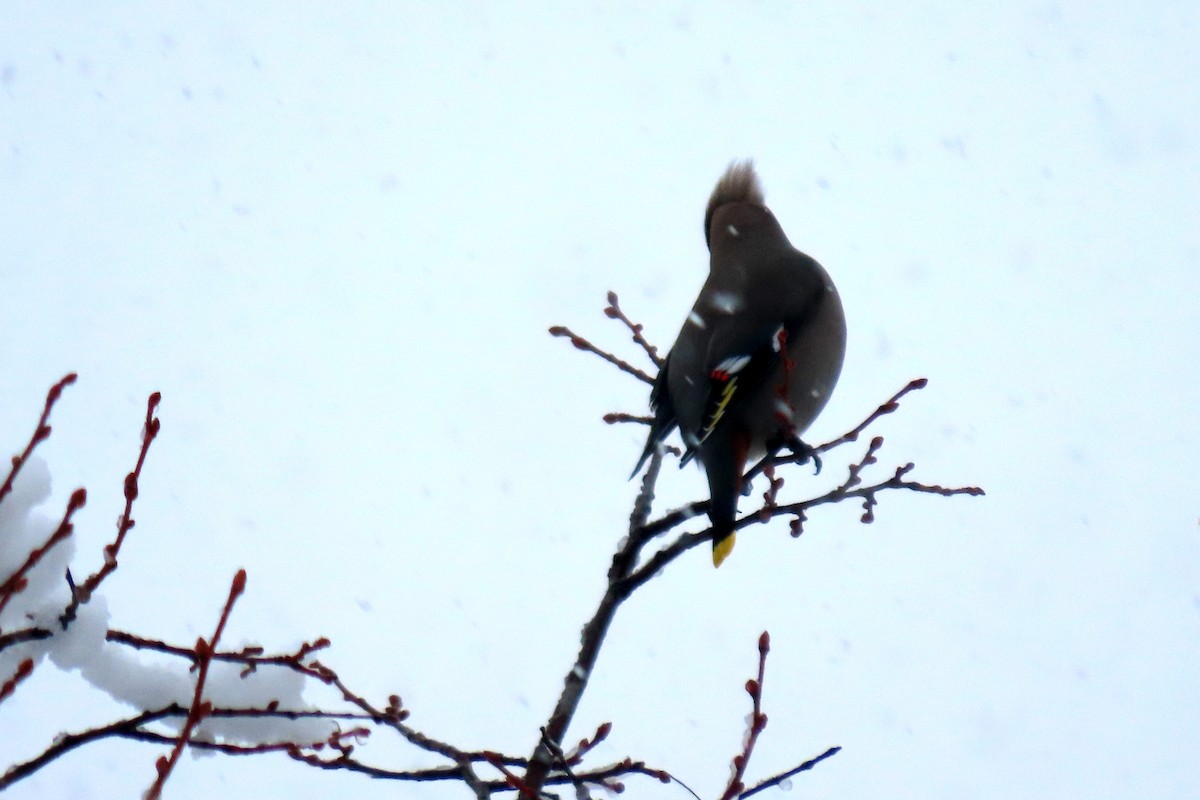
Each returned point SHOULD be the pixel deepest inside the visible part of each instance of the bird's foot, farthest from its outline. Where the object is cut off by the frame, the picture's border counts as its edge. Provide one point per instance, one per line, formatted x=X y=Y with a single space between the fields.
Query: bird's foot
x=805 y=452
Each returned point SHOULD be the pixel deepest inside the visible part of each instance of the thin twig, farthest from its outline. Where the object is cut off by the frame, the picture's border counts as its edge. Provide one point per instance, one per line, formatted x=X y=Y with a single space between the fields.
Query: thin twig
x=626 y=575
x=200 y=708
x=687 y=541
x=251 y=657
x=758 y=721
x=24 y=635
x=613 y=311
x=775 y=780
x=83 y=593
x=17 y=581
x=40 y=433
x=803 y=453
x=616 y=417
x=65 y=743
x=132 y=728
x=585 y=345
x=24 y=670
x=513 y=780
x=888 y=407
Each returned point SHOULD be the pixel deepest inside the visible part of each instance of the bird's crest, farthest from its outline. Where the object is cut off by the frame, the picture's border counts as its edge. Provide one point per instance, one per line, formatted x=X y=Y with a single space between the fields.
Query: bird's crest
x=739 y=184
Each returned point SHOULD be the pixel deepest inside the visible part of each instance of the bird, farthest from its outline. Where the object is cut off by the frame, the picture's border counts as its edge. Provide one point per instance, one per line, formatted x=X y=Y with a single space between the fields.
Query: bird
x=758 y=355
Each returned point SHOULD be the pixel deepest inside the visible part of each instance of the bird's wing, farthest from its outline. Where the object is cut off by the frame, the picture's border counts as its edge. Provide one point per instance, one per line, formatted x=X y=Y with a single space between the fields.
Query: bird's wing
x=664 y=415
x=739 y=366
x=735 y=373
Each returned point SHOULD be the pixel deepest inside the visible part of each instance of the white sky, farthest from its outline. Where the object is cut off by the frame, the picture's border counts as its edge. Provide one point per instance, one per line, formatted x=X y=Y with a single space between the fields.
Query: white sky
x=333 y=237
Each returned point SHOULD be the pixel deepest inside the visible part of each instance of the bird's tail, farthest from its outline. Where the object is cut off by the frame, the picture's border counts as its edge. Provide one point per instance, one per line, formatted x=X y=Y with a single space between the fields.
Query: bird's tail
x=724 y=470
x=722 y=547
x=723 y=509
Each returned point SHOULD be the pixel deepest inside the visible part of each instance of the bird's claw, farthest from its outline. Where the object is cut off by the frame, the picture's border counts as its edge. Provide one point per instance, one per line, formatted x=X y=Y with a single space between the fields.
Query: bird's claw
x=805 y=452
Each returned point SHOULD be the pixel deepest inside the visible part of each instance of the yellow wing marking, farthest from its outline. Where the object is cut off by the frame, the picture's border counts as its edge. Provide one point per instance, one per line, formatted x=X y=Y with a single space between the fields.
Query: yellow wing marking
x=722 y=404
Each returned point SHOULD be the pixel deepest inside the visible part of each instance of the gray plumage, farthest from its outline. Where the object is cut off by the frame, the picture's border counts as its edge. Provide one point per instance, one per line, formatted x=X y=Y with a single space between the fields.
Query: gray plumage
x=760 y=351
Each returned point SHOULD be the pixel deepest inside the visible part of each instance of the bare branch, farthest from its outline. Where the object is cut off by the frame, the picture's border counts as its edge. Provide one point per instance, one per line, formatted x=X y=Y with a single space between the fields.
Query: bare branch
x=40 y=433
x=200 y=708
x=619 y=416
x=24 y=635
x=776 y=780
x=17 y=581
x=133 y=728
x=585 y=345
x=613 y=311
x=24 y=670
x=65 y=743
x=804 y=453
x=251 y=657
x=550 y=764
x=125 y=523
x=757 y=722
x=513 y=780
x=889 y=406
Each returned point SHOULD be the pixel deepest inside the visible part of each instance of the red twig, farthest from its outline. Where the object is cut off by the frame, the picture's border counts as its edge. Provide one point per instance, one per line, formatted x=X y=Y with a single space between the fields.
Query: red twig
x=200 y=708
x=854 y=476
x=393 y=715
x=585 y=345
x=758 y=721
x=125 y=522
x=40 y=433
x=887 y=407
x=613 y=311
x=585 y=745
x=132 y=728
x=17 y=581
x=514 y=780
x=24 y=670
x=771 y=495
x=251 y=657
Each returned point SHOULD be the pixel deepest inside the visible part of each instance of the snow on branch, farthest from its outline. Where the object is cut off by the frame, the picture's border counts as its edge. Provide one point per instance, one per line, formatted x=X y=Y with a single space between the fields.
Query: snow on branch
x=239 y=702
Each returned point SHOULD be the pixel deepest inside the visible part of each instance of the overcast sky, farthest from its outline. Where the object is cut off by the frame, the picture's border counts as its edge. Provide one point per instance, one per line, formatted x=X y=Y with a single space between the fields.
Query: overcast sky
x=333 y=237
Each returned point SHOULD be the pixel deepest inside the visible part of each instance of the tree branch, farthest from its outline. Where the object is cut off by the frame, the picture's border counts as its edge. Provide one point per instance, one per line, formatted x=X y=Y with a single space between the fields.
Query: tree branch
x=40 y=433
x=200 y=708
x=776 y=780
x=24 y=670
x=625 y=575
x=757 y=722
x=586 y=346
x=17 y=582
x=81 y=594
x=613 y=311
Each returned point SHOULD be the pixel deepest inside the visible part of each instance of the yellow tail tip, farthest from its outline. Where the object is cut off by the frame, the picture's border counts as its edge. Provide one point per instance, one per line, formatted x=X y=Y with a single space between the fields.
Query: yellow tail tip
x=722 y=548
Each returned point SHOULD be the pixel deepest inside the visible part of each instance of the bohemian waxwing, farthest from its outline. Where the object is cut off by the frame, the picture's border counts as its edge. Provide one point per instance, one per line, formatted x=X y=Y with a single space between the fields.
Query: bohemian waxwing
x=758 y=355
